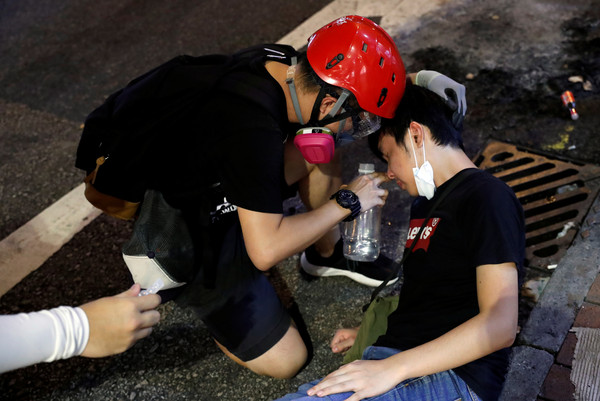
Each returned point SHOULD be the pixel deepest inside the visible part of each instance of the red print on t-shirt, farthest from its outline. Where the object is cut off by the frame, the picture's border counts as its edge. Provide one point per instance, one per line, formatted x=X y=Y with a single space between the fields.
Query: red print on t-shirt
x=425 y=238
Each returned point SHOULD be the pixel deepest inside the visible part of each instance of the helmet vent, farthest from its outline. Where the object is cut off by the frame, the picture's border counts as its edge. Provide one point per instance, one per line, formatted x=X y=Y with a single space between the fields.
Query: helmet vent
x=381 y=62
x=382 y=97
x=334 y=61
x=365 y=47
x=393 y=77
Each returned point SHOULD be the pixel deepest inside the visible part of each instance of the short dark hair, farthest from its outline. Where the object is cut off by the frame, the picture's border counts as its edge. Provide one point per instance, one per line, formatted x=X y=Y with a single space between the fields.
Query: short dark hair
x=307 y=78
x=424 y=107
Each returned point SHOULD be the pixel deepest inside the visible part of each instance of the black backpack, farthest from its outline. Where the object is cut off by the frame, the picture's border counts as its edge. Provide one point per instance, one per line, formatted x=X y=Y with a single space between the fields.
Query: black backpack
x=117 y=136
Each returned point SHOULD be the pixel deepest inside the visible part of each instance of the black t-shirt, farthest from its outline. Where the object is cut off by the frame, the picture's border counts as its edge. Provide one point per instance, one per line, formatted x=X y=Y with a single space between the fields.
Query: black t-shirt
x=479 y=222
x=248 y=158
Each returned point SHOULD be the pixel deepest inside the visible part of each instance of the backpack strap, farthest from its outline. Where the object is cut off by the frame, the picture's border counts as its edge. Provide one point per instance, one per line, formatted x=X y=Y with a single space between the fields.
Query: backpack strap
x=396 y=266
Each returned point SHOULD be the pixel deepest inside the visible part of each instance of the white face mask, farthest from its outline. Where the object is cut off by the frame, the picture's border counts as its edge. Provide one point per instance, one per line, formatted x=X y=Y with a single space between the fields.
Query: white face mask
x=423 y=175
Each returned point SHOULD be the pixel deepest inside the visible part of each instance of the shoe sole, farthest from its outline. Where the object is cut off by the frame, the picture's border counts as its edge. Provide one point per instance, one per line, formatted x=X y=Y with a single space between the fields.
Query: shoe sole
x=325 y=271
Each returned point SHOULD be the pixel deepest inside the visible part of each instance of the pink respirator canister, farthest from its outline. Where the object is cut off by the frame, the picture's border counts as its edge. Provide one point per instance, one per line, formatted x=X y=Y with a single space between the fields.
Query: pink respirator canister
x=316 y=144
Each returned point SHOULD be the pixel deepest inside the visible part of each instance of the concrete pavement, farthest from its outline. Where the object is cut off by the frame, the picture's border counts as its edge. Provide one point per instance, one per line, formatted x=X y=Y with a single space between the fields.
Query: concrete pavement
x=544 y=362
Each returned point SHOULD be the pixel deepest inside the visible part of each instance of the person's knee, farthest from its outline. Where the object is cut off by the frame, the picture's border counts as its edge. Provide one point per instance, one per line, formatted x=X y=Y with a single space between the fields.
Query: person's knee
x=284 y=360
x=281 y=368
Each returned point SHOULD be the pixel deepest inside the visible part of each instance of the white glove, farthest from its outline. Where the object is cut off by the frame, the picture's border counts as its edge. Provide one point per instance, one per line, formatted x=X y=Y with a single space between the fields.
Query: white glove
x=451 y=91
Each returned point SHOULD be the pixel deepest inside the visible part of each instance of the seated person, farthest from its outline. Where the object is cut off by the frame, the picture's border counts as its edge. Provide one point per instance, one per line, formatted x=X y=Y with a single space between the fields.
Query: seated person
x=457 y=313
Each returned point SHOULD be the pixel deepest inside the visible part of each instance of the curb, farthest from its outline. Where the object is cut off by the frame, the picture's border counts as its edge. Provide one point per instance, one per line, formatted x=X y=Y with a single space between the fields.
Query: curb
x=553 y=316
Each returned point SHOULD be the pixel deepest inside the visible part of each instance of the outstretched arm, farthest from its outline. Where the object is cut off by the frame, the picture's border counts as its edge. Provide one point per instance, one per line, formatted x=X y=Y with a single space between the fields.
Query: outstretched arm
x=492 y=329
x=271 y=237
x=99 y=328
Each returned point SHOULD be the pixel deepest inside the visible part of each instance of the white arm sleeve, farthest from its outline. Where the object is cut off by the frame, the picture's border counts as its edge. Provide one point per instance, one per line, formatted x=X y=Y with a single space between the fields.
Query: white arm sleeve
x=45 y=336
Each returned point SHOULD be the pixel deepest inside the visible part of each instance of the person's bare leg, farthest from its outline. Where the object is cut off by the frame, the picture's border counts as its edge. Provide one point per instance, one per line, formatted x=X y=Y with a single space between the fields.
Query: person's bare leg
x=316 y=184
x=282 y=361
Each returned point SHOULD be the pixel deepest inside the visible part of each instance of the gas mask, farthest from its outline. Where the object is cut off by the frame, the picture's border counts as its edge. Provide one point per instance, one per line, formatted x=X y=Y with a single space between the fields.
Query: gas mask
x=423 y=175
x=317 y=143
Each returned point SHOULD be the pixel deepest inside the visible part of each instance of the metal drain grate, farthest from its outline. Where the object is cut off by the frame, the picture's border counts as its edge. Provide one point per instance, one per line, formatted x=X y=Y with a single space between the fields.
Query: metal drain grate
x=555 y=194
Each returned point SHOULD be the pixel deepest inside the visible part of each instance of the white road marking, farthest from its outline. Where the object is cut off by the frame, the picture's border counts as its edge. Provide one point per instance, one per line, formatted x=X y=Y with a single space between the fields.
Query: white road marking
x=32 y=244
x=396 y=15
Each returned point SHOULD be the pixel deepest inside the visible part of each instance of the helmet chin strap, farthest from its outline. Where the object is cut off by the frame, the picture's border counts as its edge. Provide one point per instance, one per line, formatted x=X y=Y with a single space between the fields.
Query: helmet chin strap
x=314 y=117
x=290 y=81
x=332 y=116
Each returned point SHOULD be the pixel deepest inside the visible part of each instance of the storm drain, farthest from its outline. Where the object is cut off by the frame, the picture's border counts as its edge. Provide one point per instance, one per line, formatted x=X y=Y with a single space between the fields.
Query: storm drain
x=555 y=194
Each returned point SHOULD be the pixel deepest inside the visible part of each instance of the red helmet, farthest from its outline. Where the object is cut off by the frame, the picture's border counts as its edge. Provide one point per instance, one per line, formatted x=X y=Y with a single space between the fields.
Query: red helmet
x=356 y=54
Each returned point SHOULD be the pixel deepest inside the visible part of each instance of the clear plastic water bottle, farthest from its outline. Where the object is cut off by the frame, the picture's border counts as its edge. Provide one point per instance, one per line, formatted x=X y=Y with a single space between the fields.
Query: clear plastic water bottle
x=361 y=235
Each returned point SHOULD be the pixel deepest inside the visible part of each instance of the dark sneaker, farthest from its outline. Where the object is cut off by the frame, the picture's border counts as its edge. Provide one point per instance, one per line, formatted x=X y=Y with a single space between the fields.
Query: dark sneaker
x=371 y=274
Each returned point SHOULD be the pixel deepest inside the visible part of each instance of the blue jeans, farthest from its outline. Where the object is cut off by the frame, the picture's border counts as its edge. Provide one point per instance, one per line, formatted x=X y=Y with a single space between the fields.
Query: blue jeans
x=443 y=386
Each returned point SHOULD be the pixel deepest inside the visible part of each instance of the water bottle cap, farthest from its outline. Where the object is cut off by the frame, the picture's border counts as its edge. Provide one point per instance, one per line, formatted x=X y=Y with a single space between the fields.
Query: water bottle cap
x=366 y=168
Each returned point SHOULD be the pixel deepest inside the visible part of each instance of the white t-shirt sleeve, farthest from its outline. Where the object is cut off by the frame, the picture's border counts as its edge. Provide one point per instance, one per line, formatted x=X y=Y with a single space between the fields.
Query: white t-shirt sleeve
x=44 y=336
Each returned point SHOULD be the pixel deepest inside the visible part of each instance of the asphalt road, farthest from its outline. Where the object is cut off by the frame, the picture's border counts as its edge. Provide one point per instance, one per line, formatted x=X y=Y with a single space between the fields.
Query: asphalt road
x=61 y=59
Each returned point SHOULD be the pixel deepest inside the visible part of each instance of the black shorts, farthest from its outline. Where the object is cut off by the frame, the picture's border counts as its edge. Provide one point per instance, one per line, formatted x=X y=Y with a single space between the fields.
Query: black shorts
x=235 y=300
x=251 y=321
